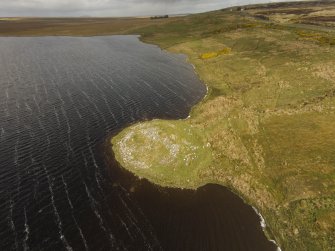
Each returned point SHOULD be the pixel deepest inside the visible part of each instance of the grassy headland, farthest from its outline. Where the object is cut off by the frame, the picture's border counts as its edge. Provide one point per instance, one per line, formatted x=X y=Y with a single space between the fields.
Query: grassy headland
x=170 y=153
x=268 y=122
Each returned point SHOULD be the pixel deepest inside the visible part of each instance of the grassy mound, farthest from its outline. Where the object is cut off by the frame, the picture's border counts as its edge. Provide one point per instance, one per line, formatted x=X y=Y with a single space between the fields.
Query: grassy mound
x=165 y=152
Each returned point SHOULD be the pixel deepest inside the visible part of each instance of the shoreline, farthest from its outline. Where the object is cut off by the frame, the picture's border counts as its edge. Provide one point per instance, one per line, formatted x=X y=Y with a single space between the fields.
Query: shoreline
x=253 y=113
x=264 y=226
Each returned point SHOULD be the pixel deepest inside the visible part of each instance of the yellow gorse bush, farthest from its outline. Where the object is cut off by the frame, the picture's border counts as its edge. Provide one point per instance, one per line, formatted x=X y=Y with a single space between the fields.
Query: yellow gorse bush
x=215 y=54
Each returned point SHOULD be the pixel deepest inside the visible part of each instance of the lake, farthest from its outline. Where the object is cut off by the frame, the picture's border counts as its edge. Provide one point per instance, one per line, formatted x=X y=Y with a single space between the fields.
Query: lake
x=61 y=99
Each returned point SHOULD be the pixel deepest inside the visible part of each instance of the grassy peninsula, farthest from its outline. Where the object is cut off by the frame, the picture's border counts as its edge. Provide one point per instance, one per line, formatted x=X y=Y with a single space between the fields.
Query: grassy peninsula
x=267 y=126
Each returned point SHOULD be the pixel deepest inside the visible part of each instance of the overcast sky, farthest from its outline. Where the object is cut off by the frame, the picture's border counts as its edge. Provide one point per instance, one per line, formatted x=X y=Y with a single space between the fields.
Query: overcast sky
x=112 y=7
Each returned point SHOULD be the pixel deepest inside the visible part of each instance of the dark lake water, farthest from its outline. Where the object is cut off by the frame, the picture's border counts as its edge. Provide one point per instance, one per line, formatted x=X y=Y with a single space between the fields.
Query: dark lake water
x=60 y=188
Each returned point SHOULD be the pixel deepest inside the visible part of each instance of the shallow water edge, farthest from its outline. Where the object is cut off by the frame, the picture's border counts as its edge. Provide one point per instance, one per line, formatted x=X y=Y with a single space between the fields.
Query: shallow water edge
x=198 y=187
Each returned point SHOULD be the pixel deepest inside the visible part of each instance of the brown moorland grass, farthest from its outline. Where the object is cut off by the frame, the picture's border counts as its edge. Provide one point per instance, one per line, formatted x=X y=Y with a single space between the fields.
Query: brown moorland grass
x=72 y=26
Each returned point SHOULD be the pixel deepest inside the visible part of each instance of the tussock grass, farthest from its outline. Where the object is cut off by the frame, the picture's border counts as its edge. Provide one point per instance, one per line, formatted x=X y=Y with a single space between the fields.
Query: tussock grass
x=321 y=38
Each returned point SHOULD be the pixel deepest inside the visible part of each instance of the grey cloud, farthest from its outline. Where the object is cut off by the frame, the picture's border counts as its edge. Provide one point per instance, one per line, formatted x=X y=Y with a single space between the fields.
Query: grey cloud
x=112 y=7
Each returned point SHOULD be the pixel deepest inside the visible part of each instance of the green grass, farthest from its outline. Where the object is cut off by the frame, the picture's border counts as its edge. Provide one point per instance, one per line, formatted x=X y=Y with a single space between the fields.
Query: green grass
x=164 y=152
x=267 y=125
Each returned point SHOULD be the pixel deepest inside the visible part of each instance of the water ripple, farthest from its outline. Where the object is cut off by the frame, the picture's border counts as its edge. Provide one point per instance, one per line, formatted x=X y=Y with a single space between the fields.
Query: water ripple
x=61 y=97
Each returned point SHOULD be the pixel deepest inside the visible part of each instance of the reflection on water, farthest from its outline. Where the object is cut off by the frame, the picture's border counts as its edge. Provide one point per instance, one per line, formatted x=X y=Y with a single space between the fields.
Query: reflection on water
x=60 y=98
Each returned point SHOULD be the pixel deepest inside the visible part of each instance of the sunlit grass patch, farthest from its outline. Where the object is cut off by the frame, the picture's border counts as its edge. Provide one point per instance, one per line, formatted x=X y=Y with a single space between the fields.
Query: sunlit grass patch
x=215 y=54
x=10 y=18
